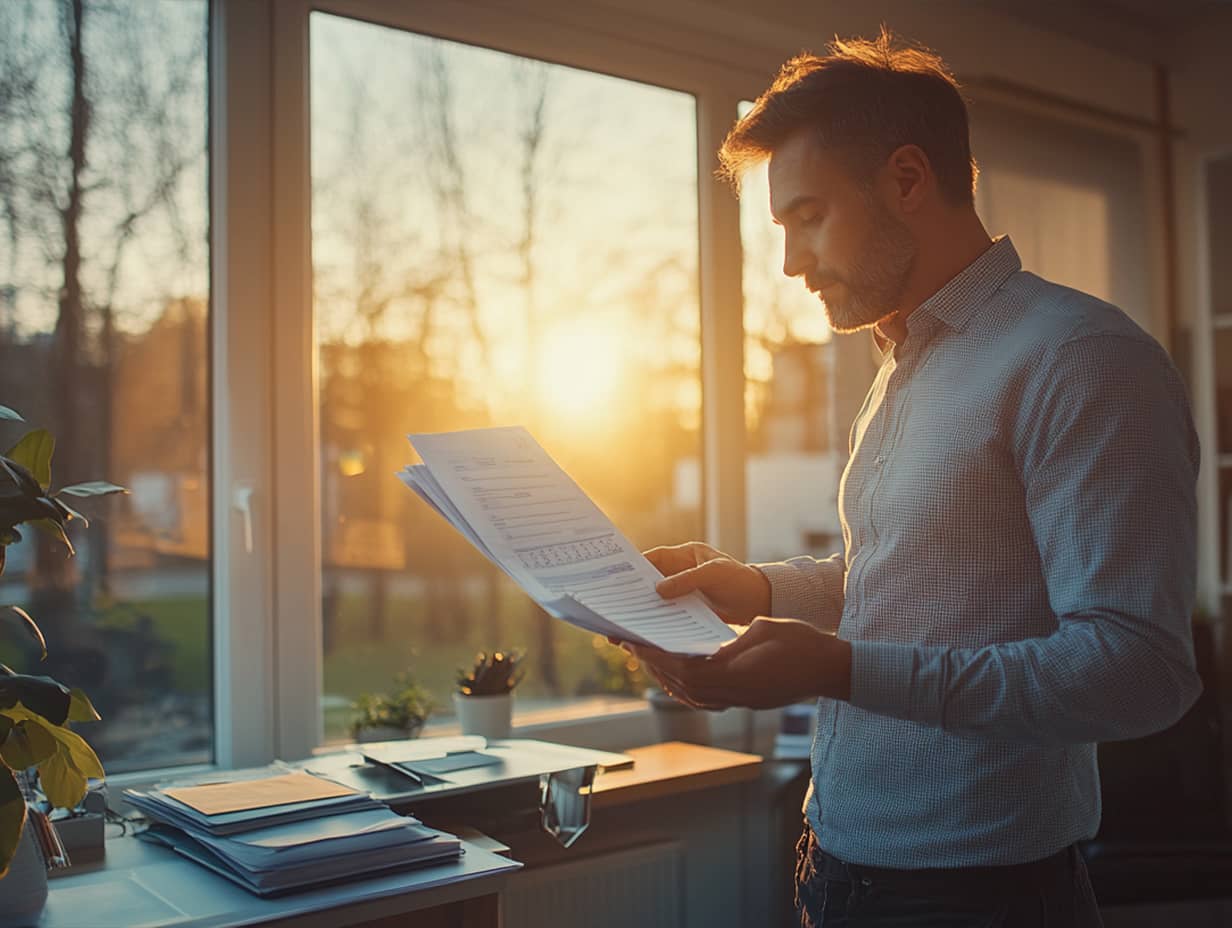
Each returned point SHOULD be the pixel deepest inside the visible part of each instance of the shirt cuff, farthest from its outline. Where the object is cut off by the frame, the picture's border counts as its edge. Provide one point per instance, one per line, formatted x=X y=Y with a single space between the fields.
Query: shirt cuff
x=790 y=591
x=885 y=678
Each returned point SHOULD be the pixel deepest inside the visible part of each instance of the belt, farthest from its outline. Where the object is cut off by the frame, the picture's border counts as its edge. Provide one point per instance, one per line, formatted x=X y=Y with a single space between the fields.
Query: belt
x=997 y=882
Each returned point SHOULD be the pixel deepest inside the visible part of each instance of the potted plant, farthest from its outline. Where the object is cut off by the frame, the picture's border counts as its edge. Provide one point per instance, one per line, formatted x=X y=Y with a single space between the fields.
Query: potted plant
x=484 y=697
x=36 y=711
x=392 y=716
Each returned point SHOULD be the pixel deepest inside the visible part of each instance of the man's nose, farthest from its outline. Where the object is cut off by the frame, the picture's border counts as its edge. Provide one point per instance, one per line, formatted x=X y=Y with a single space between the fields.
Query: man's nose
x=796 y=260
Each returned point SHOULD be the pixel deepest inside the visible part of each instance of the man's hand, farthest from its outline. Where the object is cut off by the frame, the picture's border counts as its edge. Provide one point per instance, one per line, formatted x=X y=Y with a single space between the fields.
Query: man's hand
x=736 y=591
x=774 y=663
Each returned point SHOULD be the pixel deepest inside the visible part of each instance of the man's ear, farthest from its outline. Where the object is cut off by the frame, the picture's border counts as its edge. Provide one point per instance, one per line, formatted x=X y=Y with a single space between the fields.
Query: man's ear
x=910 y=176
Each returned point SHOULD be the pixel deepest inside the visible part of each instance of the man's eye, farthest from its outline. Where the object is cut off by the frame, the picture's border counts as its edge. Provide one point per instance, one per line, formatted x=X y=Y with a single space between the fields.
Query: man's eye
x=810 y=219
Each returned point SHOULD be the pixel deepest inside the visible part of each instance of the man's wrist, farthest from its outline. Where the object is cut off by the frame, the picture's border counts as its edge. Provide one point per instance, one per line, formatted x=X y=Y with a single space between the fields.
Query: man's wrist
x=836 y=681
x=765 y=598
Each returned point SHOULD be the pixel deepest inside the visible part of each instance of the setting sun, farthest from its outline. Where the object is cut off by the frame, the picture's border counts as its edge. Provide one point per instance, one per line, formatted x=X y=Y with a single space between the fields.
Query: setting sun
x=582 y=364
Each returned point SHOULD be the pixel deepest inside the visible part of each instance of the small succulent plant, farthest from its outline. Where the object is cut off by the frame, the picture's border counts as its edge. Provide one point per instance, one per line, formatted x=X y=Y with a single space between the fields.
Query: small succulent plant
x=491 y=675
x=406 y=708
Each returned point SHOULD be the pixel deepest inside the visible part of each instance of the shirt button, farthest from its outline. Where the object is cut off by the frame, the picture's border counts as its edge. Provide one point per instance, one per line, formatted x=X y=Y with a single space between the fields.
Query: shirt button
x=879 y=460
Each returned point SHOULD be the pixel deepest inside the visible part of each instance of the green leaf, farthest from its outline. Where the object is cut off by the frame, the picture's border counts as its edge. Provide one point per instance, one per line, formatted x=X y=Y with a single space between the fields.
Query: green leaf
x=13 y=414
x=63 y=774
x=92 y=488
x=29 y=744
x=55 y=530
x=12 y=818
x=63 y=783
x=31 y=628
x=69 y=512
x=80 y=709
x=80 y=754
x=33 y=452
x=41 y=696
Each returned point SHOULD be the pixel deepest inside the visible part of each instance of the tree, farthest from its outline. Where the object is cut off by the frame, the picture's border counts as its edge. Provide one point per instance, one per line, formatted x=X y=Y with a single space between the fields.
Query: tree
x=95 y=99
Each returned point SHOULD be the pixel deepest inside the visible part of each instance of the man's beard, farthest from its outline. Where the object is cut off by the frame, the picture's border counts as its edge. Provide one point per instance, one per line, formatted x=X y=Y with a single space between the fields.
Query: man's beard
x=875 y=282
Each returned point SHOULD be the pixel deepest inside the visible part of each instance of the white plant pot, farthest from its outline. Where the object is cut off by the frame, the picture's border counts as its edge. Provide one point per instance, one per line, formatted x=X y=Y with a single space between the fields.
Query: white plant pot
x=23 y=892
x=489 y=716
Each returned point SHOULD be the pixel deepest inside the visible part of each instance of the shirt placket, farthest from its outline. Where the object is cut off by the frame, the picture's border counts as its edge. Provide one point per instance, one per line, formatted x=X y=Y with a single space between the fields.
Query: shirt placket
x=866 y=472
x=886 y=429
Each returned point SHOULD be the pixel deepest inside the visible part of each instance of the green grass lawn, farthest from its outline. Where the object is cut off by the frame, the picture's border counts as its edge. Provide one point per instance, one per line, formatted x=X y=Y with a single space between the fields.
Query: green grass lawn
x=183 y=623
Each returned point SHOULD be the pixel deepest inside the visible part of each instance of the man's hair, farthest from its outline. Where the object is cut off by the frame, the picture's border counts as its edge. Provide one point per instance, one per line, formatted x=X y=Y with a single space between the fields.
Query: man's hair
x=864 y=99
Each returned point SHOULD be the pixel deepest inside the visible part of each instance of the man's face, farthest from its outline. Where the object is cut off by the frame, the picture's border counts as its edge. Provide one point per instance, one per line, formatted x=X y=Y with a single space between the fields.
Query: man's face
x=839 y=236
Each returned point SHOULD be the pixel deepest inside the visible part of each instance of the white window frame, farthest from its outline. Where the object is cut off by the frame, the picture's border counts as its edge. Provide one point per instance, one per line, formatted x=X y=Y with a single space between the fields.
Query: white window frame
x=241 y=290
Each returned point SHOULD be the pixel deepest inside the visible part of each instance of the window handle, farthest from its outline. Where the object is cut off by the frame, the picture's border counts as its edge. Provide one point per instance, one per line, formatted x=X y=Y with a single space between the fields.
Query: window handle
x=241 y=501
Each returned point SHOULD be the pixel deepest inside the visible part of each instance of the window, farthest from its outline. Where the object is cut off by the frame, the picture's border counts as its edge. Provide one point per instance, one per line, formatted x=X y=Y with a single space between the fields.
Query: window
x=496 y=240
x=104 y=296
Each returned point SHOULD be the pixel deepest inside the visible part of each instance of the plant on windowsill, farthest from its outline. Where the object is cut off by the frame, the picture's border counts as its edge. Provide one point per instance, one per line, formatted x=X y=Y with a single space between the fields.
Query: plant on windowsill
x=484 y=697
x=392 y=716
x=35 y=711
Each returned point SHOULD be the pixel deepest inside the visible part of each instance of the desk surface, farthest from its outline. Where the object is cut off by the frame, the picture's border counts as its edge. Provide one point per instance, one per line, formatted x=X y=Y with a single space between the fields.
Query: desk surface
x=670 y=768
x=142 y=886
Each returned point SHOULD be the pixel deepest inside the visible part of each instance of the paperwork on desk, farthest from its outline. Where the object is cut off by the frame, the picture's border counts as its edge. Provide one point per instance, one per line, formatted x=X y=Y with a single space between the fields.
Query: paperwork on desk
x=286 y=845
x=226 y=808
x=509 y=499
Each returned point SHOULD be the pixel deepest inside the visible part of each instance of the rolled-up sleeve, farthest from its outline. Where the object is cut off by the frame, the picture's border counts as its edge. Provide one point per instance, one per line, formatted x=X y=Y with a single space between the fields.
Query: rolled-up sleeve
x=1108 y=459
x=808 y=589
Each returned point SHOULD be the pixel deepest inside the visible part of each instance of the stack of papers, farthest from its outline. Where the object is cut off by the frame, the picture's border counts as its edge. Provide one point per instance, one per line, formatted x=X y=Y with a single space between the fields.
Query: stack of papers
x=276 y=834
x=507 y=496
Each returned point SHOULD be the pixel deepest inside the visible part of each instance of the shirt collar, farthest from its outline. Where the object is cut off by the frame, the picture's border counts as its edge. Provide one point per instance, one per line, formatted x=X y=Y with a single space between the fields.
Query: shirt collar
x=957 y=301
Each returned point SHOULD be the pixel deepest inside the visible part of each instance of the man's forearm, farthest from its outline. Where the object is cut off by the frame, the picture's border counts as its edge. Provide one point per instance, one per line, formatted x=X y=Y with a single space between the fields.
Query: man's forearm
x=1098 y=679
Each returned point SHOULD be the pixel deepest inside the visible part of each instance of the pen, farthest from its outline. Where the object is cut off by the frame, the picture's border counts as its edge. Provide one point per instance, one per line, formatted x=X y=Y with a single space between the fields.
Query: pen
x=55 y=856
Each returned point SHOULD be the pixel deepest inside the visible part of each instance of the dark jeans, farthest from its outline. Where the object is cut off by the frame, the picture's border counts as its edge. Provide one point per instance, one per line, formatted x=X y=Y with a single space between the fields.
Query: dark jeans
x=1050 y=893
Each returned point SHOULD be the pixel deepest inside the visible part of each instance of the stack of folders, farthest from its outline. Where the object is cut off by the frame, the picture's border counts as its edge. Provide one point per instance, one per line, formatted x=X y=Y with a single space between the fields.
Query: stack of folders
x=280 y=833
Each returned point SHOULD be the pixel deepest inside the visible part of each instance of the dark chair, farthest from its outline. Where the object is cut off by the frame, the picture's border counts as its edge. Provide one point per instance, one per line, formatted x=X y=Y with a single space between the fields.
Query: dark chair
x=1165 y=833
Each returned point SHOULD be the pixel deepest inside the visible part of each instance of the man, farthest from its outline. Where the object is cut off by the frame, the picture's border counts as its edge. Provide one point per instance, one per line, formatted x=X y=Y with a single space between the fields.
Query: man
x=1018 y=514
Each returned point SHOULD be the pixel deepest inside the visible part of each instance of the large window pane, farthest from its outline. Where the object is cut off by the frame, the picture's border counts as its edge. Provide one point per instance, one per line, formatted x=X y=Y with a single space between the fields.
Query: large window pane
x=104 y=289
x=495 y=241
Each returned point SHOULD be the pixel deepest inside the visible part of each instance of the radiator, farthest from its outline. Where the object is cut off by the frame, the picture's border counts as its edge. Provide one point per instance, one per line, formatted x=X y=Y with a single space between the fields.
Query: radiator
x=641 y=887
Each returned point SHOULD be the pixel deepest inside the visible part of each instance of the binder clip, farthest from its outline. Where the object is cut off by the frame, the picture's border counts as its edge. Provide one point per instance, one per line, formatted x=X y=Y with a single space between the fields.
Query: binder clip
x=564 y=803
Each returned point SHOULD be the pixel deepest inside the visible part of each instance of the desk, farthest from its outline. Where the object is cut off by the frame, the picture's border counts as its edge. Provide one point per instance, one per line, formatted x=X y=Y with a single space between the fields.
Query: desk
x=142 y=886
x=681 y=830
x=671 y=768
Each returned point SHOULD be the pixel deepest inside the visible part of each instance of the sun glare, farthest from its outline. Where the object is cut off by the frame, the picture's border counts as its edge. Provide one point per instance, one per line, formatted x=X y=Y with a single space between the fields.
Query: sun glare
x=580 y=371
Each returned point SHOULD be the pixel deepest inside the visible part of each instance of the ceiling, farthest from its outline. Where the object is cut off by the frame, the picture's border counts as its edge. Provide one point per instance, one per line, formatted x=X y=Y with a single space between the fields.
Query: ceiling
x=1146 y=29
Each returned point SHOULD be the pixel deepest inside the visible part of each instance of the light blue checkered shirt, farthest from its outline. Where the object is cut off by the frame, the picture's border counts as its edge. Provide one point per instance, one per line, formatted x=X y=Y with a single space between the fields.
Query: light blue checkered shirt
x=1017 y=576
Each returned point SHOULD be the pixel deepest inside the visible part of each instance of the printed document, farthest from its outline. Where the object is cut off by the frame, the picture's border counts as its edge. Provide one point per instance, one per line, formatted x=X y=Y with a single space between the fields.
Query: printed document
x=507 y=496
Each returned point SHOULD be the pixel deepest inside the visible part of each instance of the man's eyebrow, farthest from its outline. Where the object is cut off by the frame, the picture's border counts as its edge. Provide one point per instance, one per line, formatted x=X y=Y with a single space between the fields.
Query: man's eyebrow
x=804 y=199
